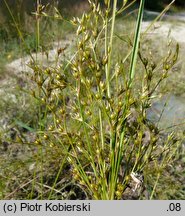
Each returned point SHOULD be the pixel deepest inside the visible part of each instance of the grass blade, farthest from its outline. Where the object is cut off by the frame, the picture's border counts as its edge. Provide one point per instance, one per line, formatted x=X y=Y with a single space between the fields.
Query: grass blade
x=136 y=43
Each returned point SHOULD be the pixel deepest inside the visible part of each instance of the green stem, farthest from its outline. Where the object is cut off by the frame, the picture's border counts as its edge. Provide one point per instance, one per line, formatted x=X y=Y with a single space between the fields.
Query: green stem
x=136 y=43
x=38 y=25
x=109 y=51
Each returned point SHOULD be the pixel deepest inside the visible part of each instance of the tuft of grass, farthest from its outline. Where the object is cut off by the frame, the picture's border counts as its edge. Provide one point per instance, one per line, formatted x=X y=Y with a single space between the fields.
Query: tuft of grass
x=102 y=119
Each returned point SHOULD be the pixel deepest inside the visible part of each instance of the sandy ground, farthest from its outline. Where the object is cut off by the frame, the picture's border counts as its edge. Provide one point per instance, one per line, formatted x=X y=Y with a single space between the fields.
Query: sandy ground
x=21 y=65
x=175 y=30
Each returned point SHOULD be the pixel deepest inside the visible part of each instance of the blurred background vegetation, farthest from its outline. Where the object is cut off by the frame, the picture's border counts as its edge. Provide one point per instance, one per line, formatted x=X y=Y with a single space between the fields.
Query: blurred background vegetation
x=25 y=20
x=22 y=10
x=158 y=4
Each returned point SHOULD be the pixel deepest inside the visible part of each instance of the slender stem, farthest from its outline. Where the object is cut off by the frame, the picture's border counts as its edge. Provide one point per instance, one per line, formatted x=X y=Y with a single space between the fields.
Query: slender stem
x=155 y=185
x=85 y=129
x=38 y=25
x=110 y=49
x=106 y=51
x=136 y=43
x=159 y=16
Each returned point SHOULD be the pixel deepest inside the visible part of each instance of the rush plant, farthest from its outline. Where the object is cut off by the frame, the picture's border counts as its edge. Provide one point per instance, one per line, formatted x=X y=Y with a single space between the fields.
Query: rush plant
x=99 y=115
x=93 y=107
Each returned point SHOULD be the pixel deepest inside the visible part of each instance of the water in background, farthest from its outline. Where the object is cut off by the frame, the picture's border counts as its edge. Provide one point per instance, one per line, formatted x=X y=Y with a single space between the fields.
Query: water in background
x=168 y=111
